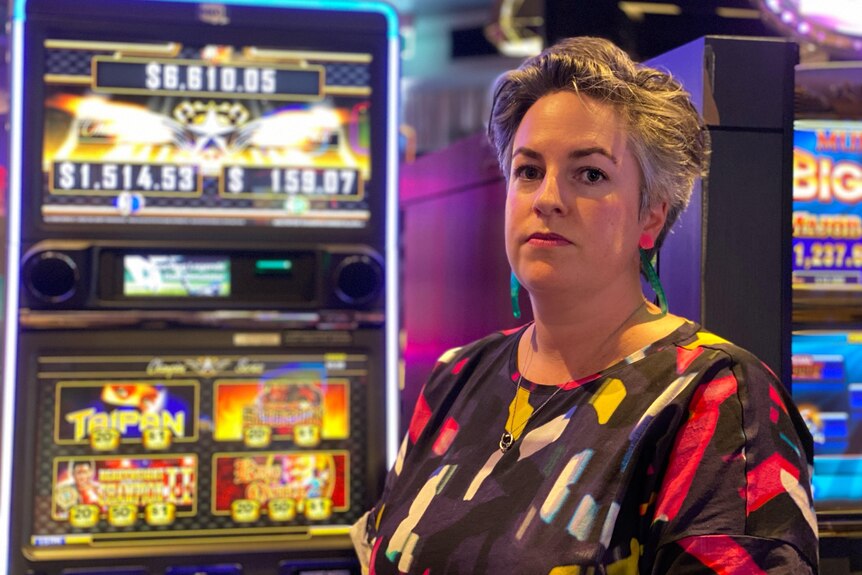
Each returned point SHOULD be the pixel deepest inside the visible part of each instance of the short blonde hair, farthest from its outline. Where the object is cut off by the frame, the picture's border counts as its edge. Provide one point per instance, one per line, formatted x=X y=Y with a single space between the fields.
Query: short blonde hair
x=666 y=133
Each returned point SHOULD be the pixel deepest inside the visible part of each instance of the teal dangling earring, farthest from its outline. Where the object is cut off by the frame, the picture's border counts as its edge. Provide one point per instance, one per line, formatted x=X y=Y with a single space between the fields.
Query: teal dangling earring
x=654 y=282
x=514 y=289
x=647 y=243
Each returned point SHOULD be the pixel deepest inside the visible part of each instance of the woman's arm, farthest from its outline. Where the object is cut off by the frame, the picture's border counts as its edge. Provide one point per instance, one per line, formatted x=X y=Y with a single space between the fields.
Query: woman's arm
x=736 y=492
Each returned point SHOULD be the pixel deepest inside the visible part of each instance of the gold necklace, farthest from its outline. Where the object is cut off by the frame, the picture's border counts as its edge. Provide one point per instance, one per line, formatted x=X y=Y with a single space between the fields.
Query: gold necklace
x=507 y=440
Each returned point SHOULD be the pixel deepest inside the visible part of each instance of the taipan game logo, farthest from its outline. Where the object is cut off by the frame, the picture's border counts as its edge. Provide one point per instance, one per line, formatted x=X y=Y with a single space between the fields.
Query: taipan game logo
x=107 y=414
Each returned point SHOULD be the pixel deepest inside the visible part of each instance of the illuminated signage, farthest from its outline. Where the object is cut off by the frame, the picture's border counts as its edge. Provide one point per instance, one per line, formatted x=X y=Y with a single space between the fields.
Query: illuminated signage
x=173 y=134
x=833 y=24
x=827 y=214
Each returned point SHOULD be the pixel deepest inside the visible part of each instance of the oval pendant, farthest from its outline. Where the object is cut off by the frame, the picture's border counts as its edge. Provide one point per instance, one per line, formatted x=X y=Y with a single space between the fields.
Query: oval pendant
x=506 y=441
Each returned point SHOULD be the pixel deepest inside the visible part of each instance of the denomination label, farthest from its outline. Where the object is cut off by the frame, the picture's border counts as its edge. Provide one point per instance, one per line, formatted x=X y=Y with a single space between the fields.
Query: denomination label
x=84 y=516
x=160 y=513
x=281 y=509
x=318 y=508
x=306 y=435
x=257 y=436
x=102 y=439
x=156 y=439
x=245 y=511
x=122 y=515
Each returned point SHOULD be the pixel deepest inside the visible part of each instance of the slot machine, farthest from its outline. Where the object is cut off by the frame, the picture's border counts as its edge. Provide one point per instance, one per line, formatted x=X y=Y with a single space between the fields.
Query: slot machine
x=827 y=284
x=200 y=369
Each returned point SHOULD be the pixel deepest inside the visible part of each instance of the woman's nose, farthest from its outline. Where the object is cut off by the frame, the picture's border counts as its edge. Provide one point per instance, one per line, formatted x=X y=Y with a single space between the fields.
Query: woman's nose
x=548 y=200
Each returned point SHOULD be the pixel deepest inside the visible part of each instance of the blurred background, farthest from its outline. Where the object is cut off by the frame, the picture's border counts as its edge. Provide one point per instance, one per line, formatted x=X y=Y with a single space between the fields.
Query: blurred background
x=453 y=49
x=780 y=84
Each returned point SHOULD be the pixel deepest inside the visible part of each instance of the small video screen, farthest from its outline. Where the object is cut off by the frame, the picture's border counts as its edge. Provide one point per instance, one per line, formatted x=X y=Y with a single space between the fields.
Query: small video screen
x=827 y=389
x=178 y=276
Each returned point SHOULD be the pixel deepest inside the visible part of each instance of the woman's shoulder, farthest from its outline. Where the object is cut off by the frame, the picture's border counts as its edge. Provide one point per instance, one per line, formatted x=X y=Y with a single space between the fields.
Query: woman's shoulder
x=493 y=345
x=719 y=362
x=694 y=340
x=455 y=368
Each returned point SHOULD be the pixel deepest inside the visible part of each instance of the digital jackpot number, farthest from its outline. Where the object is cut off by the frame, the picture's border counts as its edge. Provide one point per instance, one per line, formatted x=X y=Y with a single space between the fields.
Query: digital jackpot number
x=201 y=77
x=109 y=177
x=332 y=182
x=225 y=79
x=827 y=255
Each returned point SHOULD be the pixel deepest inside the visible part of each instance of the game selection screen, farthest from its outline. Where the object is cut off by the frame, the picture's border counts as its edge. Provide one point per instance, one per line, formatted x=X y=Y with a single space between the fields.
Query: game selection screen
x=167 y=133
x=827 y=389
x=132 y=446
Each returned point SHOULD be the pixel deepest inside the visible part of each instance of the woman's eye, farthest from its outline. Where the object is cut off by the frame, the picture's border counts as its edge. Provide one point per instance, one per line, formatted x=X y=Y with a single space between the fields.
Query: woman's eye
x=528 y=172
x=593 y=175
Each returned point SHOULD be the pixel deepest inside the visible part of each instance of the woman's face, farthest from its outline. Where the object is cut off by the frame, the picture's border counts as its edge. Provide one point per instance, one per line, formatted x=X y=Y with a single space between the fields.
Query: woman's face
x=573 y=199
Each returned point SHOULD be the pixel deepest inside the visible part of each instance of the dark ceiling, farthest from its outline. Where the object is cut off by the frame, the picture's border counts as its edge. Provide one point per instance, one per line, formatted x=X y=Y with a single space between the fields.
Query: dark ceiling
x=644 y=29
x=651 y=33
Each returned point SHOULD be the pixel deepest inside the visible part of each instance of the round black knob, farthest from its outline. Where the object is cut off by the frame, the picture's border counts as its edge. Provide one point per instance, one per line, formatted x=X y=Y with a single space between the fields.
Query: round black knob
x=358 y=279
x=52 y=276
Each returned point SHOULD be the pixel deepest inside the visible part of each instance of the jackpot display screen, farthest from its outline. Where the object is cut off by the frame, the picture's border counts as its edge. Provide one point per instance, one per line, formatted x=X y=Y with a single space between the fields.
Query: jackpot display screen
x=827 y=388
x=221 y=135
x=133 y=448
x=827 y=218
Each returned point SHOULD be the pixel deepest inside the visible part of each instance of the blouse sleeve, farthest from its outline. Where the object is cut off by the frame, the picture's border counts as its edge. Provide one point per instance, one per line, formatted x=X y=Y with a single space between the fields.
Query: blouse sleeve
x=363 y=533
x=736 y=493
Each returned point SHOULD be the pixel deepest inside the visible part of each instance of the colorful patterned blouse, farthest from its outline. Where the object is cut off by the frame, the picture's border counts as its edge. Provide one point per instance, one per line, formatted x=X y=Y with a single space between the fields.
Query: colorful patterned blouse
x=685 y=457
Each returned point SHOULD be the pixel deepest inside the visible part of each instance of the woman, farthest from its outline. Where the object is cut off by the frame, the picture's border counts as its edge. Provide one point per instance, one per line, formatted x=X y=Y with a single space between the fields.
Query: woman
x=607 y=436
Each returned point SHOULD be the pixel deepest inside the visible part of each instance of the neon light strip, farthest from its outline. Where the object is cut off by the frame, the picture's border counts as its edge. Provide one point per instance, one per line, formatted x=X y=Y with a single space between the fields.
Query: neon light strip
x=14 y=229
x=12 y=281
x=393 y=324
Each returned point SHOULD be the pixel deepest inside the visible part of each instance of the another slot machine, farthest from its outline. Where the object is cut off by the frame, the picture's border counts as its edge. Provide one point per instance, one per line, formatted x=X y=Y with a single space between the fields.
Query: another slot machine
x=201 y=324
x=827 y=286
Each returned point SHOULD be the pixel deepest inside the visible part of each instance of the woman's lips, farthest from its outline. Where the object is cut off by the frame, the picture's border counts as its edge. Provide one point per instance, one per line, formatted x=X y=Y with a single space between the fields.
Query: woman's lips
x=547 y=240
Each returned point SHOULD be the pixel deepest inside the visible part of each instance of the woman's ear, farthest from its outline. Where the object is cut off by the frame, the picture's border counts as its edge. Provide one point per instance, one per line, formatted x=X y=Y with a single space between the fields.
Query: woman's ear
x=652 y=224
